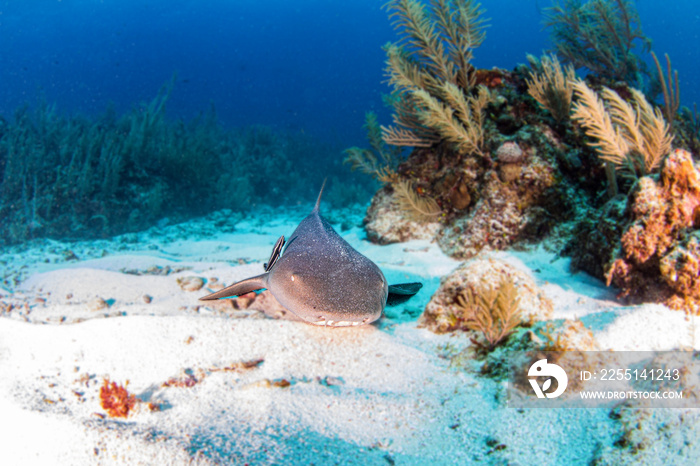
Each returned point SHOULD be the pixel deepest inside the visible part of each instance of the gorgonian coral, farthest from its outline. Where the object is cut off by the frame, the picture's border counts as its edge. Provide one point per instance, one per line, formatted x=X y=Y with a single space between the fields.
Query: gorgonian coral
x=432 y=76
x=599 y=35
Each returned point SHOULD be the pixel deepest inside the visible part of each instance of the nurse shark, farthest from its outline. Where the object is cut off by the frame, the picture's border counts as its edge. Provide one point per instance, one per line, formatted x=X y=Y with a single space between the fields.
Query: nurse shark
x=321 y=279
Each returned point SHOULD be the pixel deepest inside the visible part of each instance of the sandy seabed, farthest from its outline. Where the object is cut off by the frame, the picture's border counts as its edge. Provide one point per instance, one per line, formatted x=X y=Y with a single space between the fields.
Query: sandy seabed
x=237 y=386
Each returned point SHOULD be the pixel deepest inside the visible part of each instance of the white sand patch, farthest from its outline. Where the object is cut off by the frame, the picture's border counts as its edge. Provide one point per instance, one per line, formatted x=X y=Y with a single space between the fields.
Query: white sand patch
x=651 y=327
x=367 y=395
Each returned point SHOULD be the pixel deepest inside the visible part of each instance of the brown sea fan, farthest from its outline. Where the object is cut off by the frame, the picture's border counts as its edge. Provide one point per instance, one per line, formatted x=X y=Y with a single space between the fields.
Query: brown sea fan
x=420 y=209
x=492 y=311
x=632 y=136
x=553 y=88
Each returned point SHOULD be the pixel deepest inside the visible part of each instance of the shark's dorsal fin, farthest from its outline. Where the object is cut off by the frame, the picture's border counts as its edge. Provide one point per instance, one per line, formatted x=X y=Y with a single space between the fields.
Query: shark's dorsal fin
x=318 y=201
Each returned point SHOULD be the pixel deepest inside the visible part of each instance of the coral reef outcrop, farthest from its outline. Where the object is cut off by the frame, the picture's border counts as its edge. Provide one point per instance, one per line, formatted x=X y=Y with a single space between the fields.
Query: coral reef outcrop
x=657 y=257
x=487 y=204
x=509 y=208
x=386 y=223
x=484 y=173
x=646 y=244
x=444 y=311
x=505 y=157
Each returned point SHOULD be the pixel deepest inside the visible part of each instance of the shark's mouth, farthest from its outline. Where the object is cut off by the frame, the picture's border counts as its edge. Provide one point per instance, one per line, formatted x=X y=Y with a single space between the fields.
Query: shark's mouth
x=340 y=323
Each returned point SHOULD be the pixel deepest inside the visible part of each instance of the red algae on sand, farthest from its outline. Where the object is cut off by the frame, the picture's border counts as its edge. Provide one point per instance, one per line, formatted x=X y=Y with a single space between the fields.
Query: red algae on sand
x=116 y=400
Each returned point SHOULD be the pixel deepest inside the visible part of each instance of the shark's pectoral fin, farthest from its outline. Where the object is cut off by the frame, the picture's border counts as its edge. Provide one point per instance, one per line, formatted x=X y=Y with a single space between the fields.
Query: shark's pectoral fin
x=402 y=292
x=240 y=288
x=405 y=289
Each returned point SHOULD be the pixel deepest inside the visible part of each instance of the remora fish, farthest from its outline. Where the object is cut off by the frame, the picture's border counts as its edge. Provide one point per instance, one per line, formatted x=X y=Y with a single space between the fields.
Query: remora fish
x=321 y=279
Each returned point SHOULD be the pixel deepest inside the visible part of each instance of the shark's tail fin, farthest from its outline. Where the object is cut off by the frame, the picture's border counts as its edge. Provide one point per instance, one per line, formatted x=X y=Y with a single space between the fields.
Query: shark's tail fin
x=318 y=201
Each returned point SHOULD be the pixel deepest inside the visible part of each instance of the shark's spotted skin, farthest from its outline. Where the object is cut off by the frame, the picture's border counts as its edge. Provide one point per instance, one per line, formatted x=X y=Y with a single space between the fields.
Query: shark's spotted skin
x=320 y=278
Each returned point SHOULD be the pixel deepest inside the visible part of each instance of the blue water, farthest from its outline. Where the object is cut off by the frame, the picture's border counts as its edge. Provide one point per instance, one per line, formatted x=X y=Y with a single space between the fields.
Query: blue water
x=313 y=66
